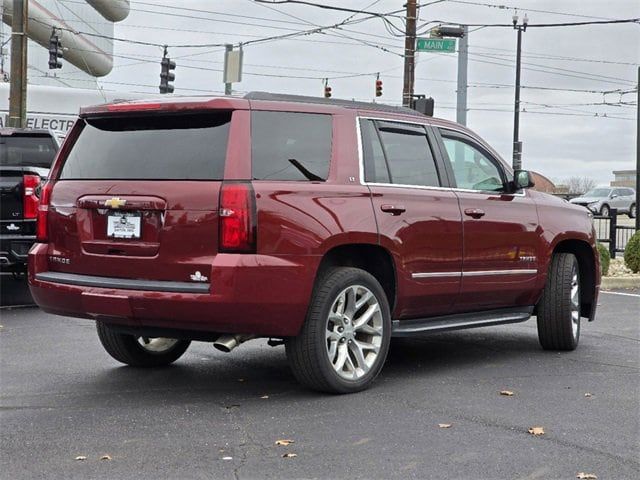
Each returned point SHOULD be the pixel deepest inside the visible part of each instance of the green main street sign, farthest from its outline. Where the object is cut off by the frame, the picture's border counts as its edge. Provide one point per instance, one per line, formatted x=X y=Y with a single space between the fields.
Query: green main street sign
x=447 y=45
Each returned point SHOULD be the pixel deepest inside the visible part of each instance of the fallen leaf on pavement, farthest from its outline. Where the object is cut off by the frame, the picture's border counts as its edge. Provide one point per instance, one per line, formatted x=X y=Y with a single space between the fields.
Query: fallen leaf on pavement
x=586 y=476
x=444 y=425
x=284 y=443
x=105 y=457
x=80 y=458
x=289 y=455
x=536 y=431
x=506 y=393
x=588 y=395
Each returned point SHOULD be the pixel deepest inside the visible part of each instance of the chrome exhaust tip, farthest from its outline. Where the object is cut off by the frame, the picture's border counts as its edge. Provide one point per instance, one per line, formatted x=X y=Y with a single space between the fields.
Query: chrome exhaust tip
x=226 y=343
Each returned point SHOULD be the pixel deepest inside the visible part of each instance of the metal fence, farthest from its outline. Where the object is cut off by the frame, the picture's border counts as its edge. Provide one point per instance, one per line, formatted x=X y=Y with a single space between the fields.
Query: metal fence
x=608 y=231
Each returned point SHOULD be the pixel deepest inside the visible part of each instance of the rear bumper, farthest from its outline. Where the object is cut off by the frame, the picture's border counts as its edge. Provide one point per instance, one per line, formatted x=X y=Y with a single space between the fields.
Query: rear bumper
x=14 y=250
x=253 y=294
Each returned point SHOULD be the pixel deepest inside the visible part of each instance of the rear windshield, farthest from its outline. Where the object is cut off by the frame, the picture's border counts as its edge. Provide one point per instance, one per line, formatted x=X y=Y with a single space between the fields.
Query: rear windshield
x=161 y=147
x=22 y=151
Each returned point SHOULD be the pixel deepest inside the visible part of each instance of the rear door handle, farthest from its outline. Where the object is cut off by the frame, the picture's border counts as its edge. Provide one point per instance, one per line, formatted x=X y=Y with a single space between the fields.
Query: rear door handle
x=474 y=212
x=393 y=209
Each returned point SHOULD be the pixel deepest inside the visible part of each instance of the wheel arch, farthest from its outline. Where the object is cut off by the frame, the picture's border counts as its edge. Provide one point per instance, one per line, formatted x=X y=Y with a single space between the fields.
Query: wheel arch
x=371 y=258
x=587 y=263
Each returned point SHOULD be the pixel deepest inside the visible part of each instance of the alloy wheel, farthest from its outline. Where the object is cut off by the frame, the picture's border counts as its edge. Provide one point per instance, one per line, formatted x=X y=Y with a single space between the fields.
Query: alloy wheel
x=354 y=331
x=575 y=301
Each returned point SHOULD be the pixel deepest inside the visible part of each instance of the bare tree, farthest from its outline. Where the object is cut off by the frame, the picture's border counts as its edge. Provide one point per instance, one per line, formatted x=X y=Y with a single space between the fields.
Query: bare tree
x=580 y=185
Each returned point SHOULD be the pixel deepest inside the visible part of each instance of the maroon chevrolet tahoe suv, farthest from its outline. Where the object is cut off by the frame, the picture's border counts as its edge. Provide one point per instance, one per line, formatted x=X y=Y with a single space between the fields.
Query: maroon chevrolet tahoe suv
x=329 y=226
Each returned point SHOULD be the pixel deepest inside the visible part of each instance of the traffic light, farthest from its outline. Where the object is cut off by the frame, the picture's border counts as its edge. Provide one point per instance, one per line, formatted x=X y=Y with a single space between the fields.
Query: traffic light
x=327 y=91
x=424 y=105
x=166 y=74
x=378 y=87
x=55 y=51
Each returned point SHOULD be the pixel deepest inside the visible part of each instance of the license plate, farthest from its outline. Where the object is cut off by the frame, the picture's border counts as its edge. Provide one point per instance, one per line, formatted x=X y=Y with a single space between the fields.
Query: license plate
x=123 y=225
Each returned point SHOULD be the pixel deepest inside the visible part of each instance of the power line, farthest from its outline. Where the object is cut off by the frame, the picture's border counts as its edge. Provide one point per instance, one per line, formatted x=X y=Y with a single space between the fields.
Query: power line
x=564 y=114
x=548 y=69
x=558 y=68
x=316 y=30
x=567 y=24
x=381 y=47
x=551 y=57
x=517 y=9
x=326 y=7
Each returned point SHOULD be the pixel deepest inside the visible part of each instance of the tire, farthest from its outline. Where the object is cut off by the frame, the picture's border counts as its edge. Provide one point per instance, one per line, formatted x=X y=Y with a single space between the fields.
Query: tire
x=633 y=211
x=333 y=353
x=558 y=314
x=131 y=350
x=605 y=211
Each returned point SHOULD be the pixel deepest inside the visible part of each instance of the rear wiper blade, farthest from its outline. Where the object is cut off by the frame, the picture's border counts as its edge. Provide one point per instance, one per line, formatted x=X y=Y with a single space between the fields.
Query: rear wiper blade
x=309 y=175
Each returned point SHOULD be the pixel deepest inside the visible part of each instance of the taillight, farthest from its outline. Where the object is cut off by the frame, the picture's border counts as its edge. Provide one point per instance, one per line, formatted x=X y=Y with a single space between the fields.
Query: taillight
x=30 y=199
x=237 y=227
x=42 y=232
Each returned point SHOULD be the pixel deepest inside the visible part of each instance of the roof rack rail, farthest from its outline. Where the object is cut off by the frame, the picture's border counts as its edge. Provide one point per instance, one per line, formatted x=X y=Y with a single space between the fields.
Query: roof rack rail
x=282 y=97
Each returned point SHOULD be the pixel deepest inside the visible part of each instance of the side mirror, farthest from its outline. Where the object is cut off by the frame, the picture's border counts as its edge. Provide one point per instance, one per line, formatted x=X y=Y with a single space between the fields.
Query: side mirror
x=522 y=179
x=614 y=195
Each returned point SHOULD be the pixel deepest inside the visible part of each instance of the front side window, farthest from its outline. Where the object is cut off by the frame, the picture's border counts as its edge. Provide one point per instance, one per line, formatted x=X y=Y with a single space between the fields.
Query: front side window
x=290 y=146
x=408 y=154
x=472 y=169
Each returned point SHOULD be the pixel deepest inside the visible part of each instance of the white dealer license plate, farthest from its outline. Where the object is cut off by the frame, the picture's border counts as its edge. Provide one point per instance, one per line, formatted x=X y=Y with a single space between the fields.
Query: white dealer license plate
x=123 y=225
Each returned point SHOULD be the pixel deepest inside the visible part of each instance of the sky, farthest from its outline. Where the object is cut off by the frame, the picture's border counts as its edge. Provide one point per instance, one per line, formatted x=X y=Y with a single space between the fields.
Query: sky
x=565 y=133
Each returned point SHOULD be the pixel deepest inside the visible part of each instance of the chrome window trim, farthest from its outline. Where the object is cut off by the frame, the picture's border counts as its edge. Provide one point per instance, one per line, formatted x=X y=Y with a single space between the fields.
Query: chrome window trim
x=420 y=187
x=403 y=185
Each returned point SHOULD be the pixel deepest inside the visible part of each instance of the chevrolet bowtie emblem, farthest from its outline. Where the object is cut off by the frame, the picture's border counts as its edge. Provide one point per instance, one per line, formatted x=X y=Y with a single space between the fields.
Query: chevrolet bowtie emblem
x=115 y=202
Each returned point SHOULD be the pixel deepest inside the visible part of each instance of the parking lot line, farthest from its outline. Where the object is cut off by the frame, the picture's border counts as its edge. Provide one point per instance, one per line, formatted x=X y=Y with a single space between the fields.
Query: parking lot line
x=620 y=293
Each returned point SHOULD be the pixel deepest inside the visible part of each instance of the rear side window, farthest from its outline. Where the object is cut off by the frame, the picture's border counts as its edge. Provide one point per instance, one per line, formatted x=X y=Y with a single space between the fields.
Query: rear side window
x=408 y=154
x=159 y=147
x=20 y=151
x=290 y=146
x=375 y=165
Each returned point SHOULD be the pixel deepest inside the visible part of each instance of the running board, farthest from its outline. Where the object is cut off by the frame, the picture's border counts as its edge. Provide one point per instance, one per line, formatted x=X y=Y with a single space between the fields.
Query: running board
x=459 y=321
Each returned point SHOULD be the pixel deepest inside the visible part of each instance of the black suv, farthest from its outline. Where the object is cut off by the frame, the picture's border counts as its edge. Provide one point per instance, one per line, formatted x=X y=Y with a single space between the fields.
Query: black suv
x=25 y=158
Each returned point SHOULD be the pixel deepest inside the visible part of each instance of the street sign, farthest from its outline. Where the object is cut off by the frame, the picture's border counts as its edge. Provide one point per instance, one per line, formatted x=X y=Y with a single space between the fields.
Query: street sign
x=446 y=45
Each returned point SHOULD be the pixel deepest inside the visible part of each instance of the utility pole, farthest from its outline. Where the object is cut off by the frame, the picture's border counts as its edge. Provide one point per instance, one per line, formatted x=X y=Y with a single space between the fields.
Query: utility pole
x=517 y=144
x=463 y=62
x=409 y=53
x=18 y=87
x=638 y=153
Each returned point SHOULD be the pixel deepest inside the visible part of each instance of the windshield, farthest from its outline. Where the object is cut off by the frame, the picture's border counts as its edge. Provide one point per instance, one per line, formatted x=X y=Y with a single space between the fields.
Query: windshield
x=22 y=151
x=598 y=192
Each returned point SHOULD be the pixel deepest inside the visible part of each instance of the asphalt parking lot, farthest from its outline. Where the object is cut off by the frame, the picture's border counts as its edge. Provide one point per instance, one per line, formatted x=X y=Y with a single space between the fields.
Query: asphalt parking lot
x=215 y=415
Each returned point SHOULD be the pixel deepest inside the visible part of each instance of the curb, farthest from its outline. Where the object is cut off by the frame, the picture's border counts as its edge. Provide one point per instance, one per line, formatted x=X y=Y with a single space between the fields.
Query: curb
x=620 y=282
